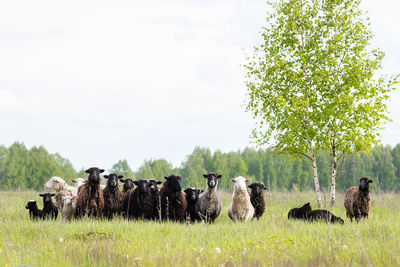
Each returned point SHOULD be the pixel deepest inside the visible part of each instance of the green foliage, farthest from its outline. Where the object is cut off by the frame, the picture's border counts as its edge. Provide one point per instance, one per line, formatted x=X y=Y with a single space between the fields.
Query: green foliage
x=154 y=169
x=23 y=168
x=31 y=168
x=122 y=168
x=313 y=81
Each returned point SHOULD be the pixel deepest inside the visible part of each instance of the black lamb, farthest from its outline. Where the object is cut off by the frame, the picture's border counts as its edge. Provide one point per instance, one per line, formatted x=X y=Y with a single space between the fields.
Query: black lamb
x=34 y=212
x=192 y=196
x=50 y=210
x=299 y=213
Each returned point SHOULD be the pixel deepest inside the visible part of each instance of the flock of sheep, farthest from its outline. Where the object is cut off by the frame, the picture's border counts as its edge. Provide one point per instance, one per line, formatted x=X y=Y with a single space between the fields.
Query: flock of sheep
x=143 y=199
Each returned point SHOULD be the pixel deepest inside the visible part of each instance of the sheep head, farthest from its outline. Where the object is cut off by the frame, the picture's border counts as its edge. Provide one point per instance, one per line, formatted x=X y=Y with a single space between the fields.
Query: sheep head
x=240 y=183
x=94 y=175
x=174 y=182
x=364 y=184
x=112 y=179
x=55 y=183
x=212 y=179
x=257 y=188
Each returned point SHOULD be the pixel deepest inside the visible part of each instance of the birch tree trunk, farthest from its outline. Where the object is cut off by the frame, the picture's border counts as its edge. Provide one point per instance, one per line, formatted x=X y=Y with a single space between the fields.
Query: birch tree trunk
x=334 y=174
x=316 y=182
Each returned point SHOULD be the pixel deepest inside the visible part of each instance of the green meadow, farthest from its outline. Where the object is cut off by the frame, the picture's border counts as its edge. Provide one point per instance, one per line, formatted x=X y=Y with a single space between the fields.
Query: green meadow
x=271 y=241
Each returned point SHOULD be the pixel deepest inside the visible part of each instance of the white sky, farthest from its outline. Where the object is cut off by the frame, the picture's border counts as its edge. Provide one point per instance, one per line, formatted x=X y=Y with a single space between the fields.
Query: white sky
x=99 y=81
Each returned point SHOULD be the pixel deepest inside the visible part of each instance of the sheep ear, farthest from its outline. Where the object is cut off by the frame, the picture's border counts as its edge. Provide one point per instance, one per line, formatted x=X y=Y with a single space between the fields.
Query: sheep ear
x=159 y=182
x=186 y=190
x=136 y=182
x=205 y=176
x=251 y=186
x=87 y=171
x=201 y=191
x=106 y=176
x=120 y=176
x=52 y=195
x=265 y=188
x=166 y=178
x=42 y=195
x=122 y=180
x=233 y=180
x=73 y=180
x=247 y=180
x=370 y=181
x=219 y=176
x=101 y=171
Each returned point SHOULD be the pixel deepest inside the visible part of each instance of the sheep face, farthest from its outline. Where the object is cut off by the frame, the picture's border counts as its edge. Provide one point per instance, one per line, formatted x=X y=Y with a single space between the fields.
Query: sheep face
x=240 y=183
x=174 y=183
x=31 y=205
x=142 y=185
x=68 y=200
x=94 y=175
x=192 y=193
x=364 y=184
x=153 y=185
x=112 y=179
x=55 y=183
x=212 y=179
x=128 y=184
x=306 y=207
x=257 y=189
x=47 y=197
x=78 y=181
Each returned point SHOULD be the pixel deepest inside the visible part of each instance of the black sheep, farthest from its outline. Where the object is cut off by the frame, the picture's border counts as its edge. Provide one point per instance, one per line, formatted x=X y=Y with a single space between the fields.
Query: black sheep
x=50 y=210
x=192 y=196
x=141 y=204
x=34 y=212
x=323 y=216
x=300 y=213
x=153 y=184
x=112 y=196
x=173 y=200
x=257 y=199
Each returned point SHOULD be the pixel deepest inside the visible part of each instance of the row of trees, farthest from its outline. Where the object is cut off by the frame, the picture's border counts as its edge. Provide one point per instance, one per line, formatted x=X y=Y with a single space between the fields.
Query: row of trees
x=30 y=168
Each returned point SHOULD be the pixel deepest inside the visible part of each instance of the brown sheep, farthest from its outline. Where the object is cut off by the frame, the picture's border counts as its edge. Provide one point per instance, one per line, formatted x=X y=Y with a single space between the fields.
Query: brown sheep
x=173 y=200
x=90 y=195
x=257 y=199
x=357 y=201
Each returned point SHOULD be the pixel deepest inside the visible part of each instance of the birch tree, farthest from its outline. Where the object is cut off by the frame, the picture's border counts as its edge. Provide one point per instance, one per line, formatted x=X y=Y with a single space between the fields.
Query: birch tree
x=313 y=83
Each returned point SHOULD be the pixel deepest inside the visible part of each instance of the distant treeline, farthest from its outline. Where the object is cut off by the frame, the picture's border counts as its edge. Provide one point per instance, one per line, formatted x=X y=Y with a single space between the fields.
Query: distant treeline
x=30 y=168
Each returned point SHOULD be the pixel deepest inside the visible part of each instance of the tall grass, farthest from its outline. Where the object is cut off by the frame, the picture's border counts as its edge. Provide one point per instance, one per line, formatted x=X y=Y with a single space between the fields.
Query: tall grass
x=273 y=240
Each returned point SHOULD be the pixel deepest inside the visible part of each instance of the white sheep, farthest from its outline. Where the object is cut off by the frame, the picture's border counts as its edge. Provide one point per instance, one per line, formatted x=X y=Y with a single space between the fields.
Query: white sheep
x=69 y=208
x=62 y=190
x=240 y=208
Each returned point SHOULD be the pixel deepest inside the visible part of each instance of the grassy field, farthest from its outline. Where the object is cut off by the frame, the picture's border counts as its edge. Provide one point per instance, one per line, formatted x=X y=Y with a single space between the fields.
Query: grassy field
x=273 y=240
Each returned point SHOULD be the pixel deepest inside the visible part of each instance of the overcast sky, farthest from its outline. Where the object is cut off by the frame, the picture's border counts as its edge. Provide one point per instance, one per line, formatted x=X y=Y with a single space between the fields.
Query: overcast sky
x=99 y=81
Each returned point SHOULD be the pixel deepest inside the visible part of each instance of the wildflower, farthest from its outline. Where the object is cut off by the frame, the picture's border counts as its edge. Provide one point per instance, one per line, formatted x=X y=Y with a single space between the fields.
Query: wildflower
x=61 y=239
x=345 y=247
x=218 y=250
